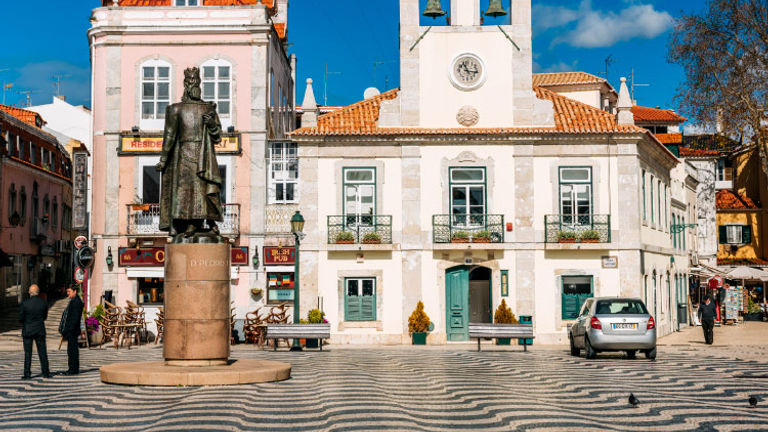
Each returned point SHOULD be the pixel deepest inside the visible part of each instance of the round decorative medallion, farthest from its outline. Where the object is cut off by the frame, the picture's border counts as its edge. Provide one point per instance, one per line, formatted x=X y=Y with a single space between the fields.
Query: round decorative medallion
x=467 y=71
x=468 y=116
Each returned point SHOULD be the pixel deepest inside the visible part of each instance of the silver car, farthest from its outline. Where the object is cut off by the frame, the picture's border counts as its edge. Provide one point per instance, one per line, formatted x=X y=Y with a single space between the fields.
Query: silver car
x=614 y=324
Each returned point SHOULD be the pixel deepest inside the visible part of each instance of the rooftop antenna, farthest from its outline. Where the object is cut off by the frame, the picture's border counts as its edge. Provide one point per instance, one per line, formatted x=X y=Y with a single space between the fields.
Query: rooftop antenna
x=59 y=78
x=608 y=62
x=376 y=65
x=27 y=94
x=633 y=85
x=325 y=89
x=6 y=86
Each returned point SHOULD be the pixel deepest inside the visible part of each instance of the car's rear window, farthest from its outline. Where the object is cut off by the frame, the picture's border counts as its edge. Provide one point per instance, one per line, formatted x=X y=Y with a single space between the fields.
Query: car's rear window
x=620 y=307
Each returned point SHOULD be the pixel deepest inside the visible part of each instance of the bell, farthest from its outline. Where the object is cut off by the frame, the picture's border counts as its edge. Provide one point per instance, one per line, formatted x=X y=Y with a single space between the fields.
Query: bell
x=433 y=9
x=495 y=9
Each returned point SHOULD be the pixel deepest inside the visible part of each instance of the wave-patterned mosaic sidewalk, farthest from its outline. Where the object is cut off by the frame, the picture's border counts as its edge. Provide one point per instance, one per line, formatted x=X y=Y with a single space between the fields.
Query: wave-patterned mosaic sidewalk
x=403 y=389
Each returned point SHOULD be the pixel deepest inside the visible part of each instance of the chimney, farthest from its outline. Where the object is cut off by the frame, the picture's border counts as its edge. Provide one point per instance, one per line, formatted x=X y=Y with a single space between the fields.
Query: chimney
x=624 y=105
x=309 y=106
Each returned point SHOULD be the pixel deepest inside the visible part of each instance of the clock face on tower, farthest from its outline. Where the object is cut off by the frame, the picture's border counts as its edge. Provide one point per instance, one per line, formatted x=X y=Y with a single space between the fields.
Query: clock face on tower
x=467 y=72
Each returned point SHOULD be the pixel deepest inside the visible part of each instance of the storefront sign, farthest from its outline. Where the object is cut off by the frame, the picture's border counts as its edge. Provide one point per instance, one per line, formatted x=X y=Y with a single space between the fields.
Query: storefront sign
x=155 y=257
x=610 y=262
x=80 y=191
x=279 y=255
x=276 y=295
x=153 y=144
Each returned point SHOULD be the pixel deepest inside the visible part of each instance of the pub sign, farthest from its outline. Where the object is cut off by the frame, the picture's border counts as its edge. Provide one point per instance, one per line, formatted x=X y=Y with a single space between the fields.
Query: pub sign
x=276 y=255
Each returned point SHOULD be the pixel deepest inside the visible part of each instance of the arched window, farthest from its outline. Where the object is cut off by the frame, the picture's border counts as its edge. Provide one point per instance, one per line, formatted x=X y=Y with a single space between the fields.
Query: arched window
x=12 y=200
x=46 y=209
x=23 y=205
x=155 y=92
x=55 y=212
x=35 y=203
x=217 y=87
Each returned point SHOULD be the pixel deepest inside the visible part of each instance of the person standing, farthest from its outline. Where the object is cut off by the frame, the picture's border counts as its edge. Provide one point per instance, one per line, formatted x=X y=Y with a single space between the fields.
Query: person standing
x=707 y=314
x=33 y=313
x=70 y=329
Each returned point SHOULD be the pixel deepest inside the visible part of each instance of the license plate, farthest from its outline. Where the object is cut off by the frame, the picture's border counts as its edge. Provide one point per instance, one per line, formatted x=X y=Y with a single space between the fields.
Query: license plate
x=624 y=326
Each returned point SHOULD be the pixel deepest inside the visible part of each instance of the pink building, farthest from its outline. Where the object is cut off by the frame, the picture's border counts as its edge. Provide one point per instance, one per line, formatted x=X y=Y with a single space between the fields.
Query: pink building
x=35 y=206
x=140 y=49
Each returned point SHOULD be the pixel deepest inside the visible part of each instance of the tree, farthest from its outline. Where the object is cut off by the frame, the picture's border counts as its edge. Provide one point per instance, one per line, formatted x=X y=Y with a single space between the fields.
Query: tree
x=724 y=52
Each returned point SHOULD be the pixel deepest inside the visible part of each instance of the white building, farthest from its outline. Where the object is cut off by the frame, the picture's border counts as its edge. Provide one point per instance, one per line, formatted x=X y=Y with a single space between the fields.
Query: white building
x=470 y=185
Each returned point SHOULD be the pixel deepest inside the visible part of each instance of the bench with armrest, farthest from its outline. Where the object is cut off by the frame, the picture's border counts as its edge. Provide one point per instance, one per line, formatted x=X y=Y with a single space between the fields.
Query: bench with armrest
x=512 y=331
x=299 y=331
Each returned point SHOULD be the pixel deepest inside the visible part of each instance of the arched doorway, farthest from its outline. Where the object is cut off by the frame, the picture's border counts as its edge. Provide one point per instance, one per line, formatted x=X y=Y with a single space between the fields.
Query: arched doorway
x=467 y=299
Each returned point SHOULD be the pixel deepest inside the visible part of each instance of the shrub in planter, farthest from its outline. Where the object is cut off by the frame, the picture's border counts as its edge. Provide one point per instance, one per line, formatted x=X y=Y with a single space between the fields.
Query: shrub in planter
x=372 y=238
x=590 y=236
x=566 y=237
x=460 y=237
x=482 y=237
x=315 y=316
x=504 y=315
x=418 y=325
x=345 y=237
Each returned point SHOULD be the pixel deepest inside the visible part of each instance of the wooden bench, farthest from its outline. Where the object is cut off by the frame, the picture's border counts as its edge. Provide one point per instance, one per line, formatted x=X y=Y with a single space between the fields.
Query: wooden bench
x=299 y=331
x=512 y=331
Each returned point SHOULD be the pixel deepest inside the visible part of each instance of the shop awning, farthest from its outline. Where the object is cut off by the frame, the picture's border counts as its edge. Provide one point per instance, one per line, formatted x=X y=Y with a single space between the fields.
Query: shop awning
x=159 y=272
x=748 y=274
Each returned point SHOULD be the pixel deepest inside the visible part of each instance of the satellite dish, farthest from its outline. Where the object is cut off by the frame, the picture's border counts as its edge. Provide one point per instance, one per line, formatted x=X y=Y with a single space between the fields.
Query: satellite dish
x=371 y=92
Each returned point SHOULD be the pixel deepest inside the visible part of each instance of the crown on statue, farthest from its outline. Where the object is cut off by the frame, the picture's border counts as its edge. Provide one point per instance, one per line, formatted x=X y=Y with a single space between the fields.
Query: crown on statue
x=192 y=73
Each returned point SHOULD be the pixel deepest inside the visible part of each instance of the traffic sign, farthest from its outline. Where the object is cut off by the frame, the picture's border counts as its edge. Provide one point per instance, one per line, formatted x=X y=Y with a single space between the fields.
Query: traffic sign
x=84 y=257
x=79 y=275
x=80 y=241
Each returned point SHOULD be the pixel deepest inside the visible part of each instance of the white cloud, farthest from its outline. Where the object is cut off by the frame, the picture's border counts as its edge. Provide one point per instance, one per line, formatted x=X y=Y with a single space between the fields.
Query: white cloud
x=556 y=67
x=597 y=28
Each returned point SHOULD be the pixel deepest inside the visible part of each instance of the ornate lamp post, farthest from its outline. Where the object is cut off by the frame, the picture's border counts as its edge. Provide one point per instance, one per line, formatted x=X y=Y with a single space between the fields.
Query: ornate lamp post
x=297 y=228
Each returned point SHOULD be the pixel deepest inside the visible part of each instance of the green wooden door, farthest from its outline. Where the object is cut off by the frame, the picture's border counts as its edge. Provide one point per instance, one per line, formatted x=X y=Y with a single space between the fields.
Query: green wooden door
x=457 y=304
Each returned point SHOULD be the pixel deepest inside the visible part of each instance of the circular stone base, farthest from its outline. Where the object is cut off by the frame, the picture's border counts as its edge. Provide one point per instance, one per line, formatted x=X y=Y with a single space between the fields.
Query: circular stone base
x=157 y=373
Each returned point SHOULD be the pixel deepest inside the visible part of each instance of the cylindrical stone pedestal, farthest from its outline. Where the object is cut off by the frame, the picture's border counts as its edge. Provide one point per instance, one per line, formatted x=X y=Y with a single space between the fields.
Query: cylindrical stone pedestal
x=197 y=309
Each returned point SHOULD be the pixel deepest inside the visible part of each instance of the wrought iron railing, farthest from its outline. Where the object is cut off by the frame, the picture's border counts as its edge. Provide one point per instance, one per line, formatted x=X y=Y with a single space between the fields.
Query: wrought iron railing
x=144 y=219
x=577 y=228
x=354 y=229
x=464 y=228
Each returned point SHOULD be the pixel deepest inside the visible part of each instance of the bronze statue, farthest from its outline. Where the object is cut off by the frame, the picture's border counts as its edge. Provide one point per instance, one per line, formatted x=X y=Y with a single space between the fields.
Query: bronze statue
x=191 y=184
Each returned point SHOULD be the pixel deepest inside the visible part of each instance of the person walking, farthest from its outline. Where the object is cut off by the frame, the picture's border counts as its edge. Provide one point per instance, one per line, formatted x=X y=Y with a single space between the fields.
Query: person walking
x=707 y=314
x=32 y=315
x=70 y=329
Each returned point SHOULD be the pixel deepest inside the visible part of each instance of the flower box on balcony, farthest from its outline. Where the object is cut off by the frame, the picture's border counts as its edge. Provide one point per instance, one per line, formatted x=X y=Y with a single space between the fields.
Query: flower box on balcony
x=345 y=237
x=345 y=242
x=590 y=240
x=590 y=236
x=372 y=241
x=137 y=207
x=480 y=240
x=567 y=237
x=372 y=238
x=482 y=237
x=567 y=240
x=460 y=237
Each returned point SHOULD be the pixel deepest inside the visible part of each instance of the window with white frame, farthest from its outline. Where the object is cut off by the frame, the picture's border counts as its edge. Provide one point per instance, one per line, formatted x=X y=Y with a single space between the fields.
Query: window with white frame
x=217 y=86
x=467 y=196
x=359 y=195
x=155 y=91
x=576 y=195
x=283 y=173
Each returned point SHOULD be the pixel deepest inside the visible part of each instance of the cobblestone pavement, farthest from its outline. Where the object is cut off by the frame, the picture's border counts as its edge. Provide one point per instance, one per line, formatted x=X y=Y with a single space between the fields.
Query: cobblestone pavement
x=404 y=388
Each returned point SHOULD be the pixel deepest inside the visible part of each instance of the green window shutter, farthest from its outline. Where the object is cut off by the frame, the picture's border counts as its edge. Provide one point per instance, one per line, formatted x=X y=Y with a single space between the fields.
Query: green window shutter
x=368 y=308
x=571 y=305
x=723 y=234
x=352 y=307
x=746 y=234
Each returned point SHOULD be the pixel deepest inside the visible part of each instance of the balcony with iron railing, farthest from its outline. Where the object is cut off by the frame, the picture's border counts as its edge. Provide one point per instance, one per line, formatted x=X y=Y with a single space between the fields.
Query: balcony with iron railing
x=588 y=228
x=468 y=228
x=359 y=230
x=144 y=220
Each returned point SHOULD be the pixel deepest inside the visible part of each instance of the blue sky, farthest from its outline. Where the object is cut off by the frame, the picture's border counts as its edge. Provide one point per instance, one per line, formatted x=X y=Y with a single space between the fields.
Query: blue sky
x=358 y=42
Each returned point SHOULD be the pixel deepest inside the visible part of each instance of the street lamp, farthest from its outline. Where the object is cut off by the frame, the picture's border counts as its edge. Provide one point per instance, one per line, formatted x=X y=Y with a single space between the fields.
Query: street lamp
x=297 y=228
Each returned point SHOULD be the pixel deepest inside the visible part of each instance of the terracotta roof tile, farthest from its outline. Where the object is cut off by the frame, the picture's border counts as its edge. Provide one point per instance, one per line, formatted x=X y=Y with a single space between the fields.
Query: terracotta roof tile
x=737 y=262
x=124 y=3
x=566 y=78
x=27 y=116
x=648 y=114
x=729 y=200
x=670 y=138
x=570 y=117
x=280 y=29
x=690 y=152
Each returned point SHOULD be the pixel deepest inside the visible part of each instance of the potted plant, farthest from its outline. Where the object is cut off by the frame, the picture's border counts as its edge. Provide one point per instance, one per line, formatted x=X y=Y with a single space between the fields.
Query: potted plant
x=315 y=316
x=345 y=237
x=372 y=238
x=566 y=237
x=93 y=325
x=483 y=236
x=138 y=204
x=590 y=236
x=753 y=310
x=460 y=237
x=418 y=325
x=256 y=291
x=504 y=315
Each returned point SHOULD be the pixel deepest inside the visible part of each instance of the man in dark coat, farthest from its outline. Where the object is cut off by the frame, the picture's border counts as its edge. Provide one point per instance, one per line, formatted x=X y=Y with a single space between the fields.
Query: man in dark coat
x=707 y=315
x=32 y=315
x=70 y=329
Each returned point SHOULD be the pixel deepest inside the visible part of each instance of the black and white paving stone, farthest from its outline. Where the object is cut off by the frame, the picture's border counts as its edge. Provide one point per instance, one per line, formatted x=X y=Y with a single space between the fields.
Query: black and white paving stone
x=404 y=388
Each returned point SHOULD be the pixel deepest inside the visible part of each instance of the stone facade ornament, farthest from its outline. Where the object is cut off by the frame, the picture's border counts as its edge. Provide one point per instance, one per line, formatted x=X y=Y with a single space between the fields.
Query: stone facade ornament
x=468 y=116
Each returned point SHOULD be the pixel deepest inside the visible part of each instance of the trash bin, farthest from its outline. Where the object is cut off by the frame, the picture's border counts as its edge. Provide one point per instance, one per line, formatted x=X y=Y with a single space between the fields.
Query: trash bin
x=525 y=319
x=682 y=314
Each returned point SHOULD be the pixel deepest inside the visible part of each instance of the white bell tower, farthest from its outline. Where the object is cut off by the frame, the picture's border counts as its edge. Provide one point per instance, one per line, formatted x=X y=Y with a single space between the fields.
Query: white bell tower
x=467 y=74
